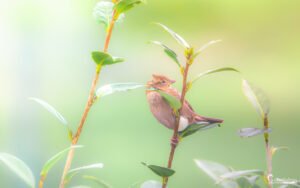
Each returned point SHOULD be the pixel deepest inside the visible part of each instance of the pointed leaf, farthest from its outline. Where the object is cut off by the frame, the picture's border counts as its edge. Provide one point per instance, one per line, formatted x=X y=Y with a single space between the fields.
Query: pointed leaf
x=172 y=101
x=151 y=184
x=223 y=69
x=257 y=98
x=275 y=149
x=237 y=174
x=17 y=166
x=177 y=37
x=160 y=171
x=205 y=46
x=169 y=52
x=214 y=171
x=125 y=5
x=250 y=132
x=117 y=87
x=75 y=171
x=97 y=181
x=103 y=12
x=102 y=58
x=191 y=129
x=53 y=160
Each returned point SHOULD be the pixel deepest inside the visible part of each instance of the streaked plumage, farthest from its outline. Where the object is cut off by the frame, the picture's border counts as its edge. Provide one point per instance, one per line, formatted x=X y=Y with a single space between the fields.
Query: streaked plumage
x=164 y=113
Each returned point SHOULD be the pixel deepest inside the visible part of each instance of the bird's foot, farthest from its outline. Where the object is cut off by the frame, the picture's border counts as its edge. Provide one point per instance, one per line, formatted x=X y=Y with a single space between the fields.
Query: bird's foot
x=174 y=141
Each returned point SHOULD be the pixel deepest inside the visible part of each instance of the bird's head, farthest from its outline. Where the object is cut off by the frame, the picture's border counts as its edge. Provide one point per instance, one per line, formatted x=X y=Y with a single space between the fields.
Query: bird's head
x=160 y=82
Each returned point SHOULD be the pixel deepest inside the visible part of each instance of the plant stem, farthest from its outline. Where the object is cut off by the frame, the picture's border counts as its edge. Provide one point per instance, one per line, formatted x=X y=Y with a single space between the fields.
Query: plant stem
x=88 y=106
x=268 y=152
x=174 y=139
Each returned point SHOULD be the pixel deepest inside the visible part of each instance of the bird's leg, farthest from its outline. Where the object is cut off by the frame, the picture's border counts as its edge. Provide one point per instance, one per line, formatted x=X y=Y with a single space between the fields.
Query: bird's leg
x=174 y=141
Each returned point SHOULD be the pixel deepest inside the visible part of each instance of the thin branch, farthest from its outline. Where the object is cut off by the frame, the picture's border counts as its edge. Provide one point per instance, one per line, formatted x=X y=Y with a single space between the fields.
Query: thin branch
x=268 y=153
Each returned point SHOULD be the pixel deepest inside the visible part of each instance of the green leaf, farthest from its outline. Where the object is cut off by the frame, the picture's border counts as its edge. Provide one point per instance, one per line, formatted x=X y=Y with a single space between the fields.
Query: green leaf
x=75 y=171
x=125 y=5
x=103 y=12
x=172 y=101
x=250 y=132
x=223 y=69
x=247 y=182
x=191 y=129
x=237 y=174
x=117 y=87
x=151 y=184
x=177 y=37
x=205 y=46
x=168 y=51
x=160 y=171
x=214 y=171
x=102 y=58
x=53 y=160
x=17 y=166
x=97 y=181
x=257 y=98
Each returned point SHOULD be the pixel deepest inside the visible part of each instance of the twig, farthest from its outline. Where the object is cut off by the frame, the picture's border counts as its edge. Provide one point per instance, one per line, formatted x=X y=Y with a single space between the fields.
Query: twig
x=268 y=152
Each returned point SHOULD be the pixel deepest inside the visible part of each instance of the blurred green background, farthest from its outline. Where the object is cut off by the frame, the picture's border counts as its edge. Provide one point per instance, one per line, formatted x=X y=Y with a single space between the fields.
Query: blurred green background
x=45 y=53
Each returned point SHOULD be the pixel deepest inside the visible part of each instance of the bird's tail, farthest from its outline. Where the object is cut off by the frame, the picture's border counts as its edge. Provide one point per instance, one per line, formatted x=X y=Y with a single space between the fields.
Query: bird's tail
x=207 y=120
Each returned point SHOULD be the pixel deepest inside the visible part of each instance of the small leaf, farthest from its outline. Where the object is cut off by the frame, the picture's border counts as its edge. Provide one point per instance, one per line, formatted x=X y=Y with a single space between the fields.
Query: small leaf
x=205 y=46
x=151 y=184
x=75 y=171
x=177 y=37
x=172 y=101
x=97 y=181
x=257 y=98
x=160 y=171
x=213 y=71
x=19 y=168
x=103 y=12
x=250 y=132
x=169 y=52
x=125 y=5
x=214 y=171
x=53 y=160
x=102 y=58
x=275 y=149
x=191 y=129
x=117 y=87
x=237 y=174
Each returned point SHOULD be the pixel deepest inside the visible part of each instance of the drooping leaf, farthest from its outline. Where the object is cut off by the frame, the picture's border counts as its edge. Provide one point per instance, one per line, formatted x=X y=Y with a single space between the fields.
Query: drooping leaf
x=99 y=182
x=151 y=184
x=102 y=58
x=125 y=5
x=169 y=52
x=177 y=37
x=237 y=174
x=223 y=69
x=160 y=171
x=19 y=167
x=103 y=12
x=250 y=132
x=172 y=101
x=52 y=110
x=191 y=129
x=117 y=87
x=257 y=98
x=214 y=171
x=73 y=172
x=275 y=149
x=53 y=160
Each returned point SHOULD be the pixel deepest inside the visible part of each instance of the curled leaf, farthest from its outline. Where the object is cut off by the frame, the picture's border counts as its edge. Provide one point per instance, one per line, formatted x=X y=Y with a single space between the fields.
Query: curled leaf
x=250 y=132
x=177 y=37
x=223 y=69
x=117 y=87
x=19 y=167
x=102 y=58
x=257 y=98
x=103 y=12
x=169 y=52
x=160 y=171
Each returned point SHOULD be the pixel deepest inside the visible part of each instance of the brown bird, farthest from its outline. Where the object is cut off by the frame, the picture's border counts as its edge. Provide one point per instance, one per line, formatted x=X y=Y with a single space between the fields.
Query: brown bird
x=162 y=110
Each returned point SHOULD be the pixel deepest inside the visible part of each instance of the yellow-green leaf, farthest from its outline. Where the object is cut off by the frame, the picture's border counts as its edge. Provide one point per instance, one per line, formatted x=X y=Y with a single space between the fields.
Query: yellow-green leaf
x=102 y=58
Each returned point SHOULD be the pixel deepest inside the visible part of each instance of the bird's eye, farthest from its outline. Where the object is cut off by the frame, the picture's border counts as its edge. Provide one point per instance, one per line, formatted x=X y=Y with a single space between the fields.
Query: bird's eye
x=163 y=82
